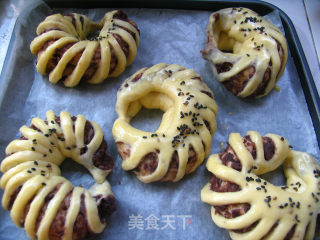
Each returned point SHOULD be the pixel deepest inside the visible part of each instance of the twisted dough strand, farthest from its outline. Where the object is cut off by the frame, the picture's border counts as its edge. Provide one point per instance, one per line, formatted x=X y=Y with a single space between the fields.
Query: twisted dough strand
x=266 y=211
x=64 y=51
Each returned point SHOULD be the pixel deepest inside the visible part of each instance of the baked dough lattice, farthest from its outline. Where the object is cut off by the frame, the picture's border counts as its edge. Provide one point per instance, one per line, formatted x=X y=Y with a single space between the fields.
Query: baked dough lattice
x=184 y=136
x=247 y=53
x=67 y=49
x=253 y=208
x=47 y=205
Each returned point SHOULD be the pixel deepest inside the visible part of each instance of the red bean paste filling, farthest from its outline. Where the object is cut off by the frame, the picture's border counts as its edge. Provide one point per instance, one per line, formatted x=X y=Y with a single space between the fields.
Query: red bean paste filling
x=232 y=211
x=207 y=125
x=45 y=205
x=148 y=164
x=173 y=167
x=207 y=93
x=268 y=147
x=223 y=67
x=14 y=196
x=80 y=227
x=192 y=159
x=57 y=229
x=250 y=146
x=265 y=80
x=95 y=61
x=136 y=78
x=100 y=158
x=239 y=81
x=290 y=233
x=247 y=229
x=106 y=206
x=230 y=159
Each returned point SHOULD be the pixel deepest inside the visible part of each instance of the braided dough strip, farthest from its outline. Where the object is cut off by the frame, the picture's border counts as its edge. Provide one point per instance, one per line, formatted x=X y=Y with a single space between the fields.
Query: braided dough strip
x=31 y=176
x=258 y=51
x=183 y=138
x=91 y=60
x=266 y=211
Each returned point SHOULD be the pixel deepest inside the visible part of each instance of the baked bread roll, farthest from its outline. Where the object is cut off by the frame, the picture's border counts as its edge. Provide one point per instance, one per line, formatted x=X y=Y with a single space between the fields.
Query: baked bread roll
x=67 y=49
x=253 y=208
x=247 y=53
x=184 y=136
x=47 y=205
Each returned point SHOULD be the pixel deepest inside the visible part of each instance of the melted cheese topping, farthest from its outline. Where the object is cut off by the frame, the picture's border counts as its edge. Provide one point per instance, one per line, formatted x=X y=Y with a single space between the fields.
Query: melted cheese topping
x=181 y=95
x=31 y=165
x=253 y=41
x=60 y=29
x=277 y=209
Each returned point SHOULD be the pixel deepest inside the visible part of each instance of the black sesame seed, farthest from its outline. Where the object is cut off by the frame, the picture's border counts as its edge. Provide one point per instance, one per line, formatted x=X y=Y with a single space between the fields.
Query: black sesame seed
x=29 y=171
x=144 y=137
x=36 y=163
x=33 y=169
x=33 y=149
x=44 y=184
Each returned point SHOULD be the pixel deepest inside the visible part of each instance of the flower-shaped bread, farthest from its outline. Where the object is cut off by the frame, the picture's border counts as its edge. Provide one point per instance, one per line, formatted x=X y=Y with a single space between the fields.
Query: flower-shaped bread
x=253 y=208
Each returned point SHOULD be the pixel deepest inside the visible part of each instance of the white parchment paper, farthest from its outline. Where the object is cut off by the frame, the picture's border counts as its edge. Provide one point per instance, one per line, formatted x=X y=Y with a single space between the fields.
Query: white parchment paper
x=170 y=36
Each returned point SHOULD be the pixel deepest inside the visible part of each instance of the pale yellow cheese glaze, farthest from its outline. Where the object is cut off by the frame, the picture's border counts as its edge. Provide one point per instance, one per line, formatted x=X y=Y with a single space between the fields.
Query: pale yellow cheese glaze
x=31 y=164
x=277 y=209
x=243 y=39
x=184 y=98
x=63 y=31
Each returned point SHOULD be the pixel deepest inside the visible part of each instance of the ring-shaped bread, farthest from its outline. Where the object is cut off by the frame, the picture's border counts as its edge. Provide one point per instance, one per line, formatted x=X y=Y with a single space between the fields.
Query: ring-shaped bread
x=247 y=53
x=184 y=136
x=67 y=49
x=46 y=204
x=252 y=208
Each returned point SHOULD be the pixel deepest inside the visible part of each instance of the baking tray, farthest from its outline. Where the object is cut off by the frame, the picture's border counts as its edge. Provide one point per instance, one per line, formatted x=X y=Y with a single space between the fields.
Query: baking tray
x=263 y=8
x=305 y=77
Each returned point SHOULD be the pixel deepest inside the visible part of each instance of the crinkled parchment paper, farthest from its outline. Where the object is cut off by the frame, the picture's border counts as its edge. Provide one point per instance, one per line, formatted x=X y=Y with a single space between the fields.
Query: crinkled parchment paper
x=170 y=36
